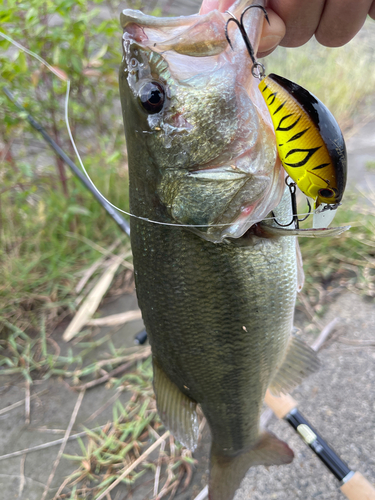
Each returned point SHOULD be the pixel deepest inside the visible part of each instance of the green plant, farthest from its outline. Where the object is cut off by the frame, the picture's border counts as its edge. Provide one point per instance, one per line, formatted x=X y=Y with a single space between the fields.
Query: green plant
x=116 y=447
x=40 y=202
x=344 y=262
x=74 y=39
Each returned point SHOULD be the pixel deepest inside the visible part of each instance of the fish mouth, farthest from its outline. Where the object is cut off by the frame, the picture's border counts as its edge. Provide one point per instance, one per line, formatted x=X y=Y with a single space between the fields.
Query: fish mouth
x=196 y=35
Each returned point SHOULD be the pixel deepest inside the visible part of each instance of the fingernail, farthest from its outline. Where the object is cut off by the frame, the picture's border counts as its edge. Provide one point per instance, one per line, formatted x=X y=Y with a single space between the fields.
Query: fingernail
x=269 y=42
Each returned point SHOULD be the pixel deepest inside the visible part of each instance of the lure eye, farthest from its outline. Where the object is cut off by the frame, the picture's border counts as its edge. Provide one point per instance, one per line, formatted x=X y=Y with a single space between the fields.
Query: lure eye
x=152 y=97
x=326 y=193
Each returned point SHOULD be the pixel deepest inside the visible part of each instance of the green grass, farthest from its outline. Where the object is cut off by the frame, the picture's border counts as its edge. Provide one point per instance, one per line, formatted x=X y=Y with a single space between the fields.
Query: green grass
x=42 y=252
x=346 y=261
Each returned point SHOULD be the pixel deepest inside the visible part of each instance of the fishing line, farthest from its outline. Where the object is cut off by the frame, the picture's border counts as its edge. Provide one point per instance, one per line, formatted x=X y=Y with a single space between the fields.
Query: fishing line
x=62 y=76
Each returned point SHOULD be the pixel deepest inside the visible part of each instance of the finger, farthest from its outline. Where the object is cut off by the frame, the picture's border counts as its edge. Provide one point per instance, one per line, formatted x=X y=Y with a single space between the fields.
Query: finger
x=208 y=5
x=220 y=5
x=301 y=18
x=272 y=34
x=341 y=20
x=371 y=12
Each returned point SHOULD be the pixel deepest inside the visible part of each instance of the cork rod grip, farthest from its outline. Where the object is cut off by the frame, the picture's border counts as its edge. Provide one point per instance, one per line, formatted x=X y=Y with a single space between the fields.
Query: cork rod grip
x=358 y=488
x=280 y=405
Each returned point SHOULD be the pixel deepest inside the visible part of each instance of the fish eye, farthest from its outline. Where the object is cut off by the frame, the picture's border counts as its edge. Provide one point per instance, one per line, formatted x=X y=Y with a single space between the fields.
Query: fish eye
x=152 y=97
x=327 y=193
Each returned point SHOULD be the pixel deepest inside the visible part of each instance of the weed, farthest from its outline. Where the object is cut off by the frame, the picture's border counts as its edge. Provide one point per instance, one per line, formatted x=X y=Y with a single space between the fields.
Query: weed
x=119 y=444
x=346 y=262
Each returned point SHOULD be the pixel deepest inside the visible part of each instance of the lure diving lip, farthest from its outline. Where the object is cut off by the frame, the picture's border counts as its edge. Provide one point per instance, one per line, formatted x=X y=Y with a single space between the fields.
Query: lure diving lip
x=309 y=141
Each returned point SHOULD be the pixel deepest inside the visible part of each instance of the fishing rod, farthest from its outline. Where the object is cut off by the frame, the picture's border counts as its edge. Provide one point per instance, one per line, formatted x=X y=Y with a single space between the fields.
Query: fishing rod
x=119 y=219
x=353 y=484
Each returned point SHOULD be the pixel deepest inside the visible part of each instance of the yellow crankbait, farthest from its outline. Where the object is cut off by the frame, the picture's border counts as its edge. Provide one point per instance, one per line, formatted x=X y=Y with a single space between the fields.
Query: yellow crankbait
x=309 y=141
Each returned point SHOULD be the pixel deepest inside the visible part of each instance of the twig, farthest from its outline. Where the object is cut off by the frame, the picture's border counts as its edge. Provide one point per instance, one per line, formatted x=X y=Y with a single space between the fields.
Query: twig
x=20 y=403
x=203 y=494
x=62 y=486
x=22 y=474
x=47 y=445
x=105 y=251
x=202 y=425
x=134 y=464
x=325 y=333
x=176 y=485
x=116 y=319
x=158 y=469
x=189 y=475
x=113 y=373
x=45 y=429
x=121 y=359
x=357 y=343
x=63 y=444
x=153 y=432
x=27 y=402
x=167 y=486
x=310 y=311
x=92 y=244
x=92 y=301
x=91 y=270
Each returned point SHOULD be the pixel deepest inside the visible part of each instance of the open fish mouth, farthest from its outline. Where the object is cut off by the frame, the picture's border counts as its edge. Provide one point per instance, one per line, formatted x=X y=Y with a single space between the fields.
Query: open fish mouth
x=207 y=126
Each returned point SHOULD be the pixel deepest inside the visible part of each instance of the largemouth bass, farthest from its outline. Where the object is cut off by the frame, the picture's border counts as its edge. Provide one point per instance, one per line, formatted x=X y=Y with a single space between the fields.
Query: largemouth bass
x=216 y=285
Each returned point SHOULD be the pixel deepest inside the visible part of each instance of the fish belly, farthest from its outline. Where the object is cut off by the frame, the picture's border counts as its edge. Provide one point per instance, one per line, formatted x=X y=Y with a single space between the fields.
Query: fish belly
x=219 y=318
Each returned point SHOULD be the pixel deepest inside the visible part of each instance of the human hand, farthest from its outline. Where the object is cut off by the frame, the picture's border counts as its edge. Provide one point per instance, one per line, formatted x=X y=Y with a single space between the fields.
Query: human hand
x=294 y=22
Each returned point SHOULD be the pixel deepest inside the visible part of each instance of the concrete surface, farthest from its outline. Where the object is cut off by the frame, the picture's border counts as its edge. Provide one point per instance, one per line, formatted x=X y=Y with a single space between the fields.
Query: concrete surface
x=339 y=401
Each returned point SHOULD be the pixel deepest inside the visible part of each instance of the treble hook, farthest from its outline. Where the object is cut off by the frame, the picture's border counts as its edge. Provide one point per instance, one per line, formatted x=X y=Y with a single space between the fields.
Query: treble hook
x=295 y=219
x=258 y=70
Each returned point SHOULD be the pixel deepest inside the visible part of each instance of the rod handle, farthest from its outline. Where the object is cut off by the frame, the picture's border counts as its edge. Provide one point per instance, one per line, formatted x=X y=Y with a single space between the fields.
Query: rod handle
x=280 y=405
x=358 y=488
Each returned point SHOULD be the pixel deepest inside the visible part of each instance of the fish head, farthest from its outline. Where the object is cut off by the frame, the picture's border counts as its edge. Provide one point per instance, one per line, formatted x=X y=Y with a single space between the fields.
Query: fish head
x=200 y=141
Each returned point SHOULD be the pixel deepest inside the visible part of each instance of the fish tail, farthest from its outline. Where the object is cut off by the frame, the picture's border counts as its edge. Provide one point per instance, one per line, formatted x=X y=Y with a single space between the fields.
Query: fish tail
x=227 y=472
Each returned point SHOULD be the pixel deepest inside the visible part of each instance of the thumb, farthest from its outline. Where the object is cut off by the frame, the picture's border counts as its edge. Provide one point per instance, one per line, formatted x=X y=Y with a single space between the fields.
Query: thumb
x=272 y=34
x=220 y=5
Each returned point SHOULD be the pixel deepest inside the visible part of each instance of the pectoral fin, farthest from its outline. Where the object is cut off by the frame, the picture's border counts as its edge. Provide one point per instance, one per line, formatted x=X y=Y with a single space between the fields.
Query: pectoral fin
x=176 y=410
x=299 y=362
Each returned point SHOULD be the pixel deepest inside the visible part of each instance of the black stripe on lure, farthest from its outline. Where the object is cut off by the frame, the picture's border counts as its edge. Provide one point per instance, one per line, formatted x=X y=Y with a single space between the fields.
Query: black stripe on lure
x=309 y=141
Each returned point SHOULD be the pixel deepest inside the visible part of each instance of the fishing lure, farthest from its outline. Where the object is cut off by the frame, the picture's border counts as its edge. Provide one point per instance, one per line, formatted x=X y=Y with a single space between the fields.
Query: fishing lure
x=309 y=141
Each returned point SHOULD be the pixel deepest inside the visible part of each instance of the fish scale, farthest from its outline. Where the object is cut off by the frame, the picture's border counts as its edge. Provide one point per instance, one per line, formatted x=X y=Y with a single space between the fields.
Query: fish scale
x=186 y=302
